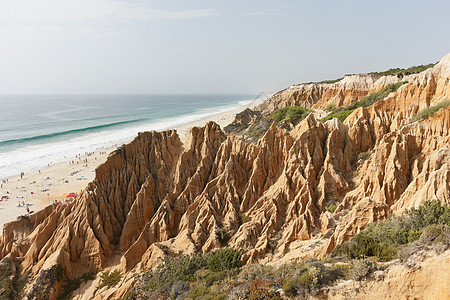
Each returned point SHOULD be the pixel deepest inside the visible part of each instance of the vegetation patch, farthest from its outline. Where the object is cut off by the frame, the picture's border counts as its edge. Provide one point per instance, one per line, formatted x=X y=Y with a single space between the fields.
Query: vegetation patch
x=223 y=235
x=257 y=130
x=224 y=259
x=331 y=208
x=45 y=283
x=283 y=117
x=219 y=275
x=20 y=282
x=332 y=80
x=408 y=71
x=294 y=114
x=110 y=279
x=365 y=155
x=6 y=287
x=343 y=112
x=242 y=120
x=384 y=240
x=341 y=115
x=324 y=81
x=245 y=218
x=192 y=274
x=429 y=111
x=71 y=285
x=331 y=108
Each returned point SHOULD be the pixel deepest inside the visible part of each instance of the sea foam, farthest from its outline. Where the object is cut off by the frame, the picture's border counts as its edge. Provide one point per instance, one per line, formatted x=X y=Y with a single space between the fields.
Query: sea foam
x=31 y=157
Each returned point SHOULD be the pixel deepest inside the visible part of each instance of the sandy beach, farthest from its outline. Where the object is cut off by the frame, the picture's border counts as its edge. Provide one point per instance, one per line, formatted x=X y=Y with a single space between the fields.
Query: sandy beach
x=38 y=189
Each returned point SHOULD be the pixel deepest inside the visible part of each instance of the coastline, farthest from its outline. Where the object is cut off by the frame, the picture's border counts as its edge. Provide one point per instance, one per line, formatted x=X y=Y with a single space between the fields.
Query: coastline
x=38 y=189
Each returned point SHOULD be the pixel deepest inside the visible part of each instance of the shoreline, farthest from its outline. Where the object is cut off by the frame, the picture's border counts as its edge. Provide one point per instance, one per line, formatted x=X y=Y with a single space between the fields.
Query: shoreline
x=39 y=188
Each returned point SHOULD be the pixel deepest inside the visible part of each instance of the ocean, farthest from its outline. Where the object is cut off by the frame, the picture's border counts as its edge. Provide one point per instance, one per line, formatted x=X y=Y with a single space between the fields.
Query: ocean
x=36 y=130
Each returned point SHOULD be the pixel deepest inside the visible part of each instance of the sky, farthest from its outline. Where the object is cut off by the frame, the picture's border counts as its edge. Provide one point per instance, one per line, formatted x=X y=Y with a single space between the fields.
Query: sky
x=209 y=46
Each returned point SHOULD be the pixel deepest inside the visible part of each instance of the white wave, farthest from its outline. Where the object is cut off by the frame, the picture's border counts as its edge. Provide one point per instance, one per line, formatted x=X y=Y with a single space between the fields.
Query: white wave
x=34 y=157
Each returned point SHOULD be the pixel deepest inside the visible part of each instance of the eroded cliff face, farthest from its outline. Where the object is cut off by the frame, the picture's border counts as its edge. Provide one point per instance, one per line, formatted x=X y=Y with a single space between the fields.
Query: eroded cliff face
x=321 y=95
x=269 y=200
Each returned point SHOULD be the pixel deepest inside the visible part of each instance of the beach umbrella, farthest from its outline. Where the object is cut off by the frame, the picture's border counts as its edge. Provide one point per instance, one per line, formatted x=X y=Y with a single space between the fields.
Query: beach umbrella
x=70 y=195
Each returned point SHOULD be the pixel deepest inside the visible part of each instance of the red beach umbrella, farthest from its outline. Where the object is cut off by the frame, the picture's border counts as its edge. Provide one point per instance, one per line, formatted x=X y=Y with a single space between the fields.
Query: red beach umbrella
x=70 y=195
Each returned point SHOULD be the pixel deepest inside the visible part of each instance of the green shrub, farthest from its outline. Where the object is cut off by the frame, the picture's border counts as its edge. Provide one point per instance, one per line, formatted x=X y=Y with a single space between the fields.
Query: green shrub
x=253 y=271
x=21 y=281
x=110 y=279
x=6 y=291
x=331 y=107
x=224 y=259
x=70 y=285
x=343 y=112
x=160 y=280
x=331 y=81
x=376 y=96
x=341 y=115
x=59 y=272
x=364 y=155
x=88 y=276
x=431 y=212
x=294 y=114
x=223 y=235
x=262 y=289
x=290 y=286
x=305 y=281
x=331 y=208
x=429 y=111
x=342 y=270
x=383 y=240
x=410 y=70
x=361 y=269
x=244 y=218
x=199 y=291
x=209 y=277
x=431 y=233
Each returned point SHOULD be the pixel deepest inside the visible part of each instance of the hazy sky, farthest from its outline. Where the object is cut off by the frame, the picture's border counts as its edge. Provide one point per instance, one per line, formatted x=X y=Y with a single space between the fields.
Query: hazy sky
x=180 y=46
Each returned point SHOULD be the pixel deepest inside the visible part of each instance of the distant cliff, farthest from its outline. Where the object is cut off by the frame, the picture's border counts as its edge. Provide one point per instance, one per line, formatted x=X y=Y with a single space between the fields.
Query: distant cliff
x=269 y=200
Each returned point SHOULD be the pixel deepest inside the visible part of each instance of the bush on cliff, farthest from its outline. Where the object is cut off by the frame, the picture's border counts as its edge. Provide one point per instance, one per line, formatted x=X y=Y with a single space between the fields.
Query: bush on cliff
x=341 y=115
x=224 y=259
x=6 y=290
x=383 y=240
x=294 y=114
x=343 y=112
x=218 y=275
x=400 y=71
x=283 y=116
x=173 y=276
x=429 y=111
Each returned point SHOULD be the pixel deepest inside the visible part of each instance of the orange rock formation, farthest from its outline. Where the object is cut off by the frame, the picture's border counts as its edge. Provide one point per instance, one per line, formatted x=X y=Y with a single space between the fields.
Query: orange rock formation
x=268 y=200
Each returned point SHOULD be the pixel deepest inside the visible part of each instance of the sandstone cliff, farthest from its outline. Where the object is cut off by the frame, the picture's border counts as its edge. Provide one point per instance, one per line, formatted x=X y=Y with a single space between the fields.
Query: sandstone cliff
x=157 y=195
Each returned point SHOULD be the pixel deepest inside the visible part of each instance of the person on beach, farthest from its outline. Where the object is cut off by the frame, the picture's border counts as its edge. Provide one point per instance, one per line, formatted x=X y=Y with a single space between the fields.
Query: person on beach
x=28 y=209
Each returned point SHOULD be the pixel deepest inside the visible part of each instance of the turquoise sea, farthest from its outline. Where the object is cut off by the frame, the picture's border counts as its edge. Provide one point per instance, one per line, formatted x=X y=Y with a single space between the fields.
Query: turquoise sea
x=39 y=129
